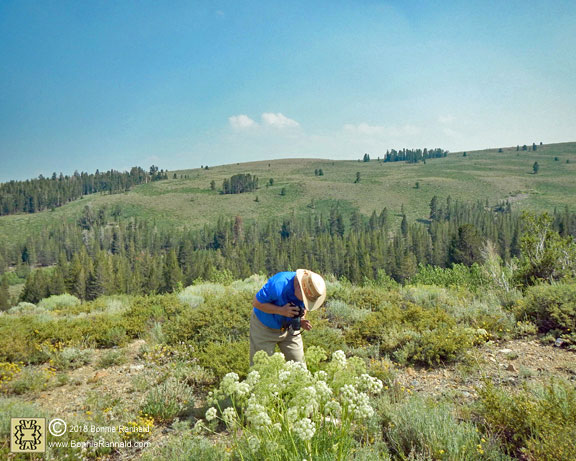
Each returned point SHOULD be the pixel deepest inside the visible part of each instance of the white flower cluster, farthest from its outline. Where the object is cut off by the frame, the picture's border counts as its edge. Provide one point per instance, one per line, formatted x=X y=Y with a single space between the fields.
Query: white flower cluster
x=369 y=384
x=254 y=444
x=333 y=408
x=242 y=389
x=277 y=394
x=323 y=390
x=257 y=415
x=211 y=414
x=339 y=358
x=306 y=400
x=228 y=384
x=304 y=429
x=358 y=403
x=253 y=378
x=321 y=376
x=229 y=416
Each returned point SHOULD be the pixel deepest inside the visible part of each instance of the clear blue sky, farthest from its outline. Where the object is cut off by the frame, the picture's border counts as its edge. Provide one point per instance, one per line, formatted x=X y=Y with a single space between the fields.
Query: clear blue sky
x=112 y=84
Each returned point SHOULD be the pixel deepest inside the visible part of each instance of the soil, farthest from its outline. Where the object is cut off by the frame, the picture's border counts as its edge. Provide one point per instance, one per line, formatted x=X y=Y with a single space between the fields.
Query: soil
x=510 y=363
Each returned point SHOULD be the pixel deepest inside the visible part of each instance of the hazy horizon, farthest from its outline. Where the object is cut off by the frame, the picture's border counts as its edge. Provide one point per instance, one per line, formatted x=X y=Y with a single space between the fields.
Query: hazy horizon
x=101 y=85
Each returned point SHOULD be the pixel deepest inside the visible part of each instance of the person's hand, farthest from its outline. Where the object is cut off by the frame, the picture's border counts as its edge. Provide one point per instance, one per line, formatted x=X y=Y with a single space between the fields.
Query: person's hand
x=289 y=310
x=305 y=324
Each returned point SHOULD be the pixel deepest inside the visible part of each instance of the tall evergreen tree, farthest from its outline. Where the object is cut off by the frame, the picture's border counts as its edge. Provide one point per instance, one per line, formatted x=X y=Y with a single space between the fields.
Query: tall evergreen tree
x=4 y=295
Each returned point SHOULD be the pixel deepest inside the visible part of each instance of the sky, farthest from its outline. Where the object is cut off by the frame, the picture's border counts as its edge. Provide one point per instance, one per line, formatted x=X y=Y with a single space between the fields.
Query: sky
x=179 y=84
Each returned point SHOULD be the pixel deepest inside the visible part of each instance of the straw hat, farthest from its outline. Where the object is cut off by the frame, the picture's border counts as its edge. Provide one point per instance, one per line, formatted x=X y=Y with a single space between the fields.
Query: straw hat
x=313 y=288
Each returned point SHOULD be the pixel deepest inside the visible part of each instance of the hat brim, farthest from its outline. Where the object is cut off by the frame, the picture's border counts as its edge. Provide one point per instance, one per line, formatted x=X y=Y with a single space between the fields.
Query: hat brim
x=309 y=304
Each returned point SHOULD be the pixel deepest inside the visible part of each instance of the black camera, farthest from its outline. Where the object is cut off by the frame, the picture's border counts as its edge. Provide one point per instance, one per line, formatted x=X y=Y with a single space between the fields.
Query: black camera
x=294 y=322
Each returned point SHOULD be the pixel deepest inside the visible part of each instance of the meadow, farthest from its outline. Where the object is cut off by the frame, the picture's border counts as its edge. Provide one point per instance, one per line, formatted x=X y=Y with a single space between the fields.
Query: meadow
x=189 y=201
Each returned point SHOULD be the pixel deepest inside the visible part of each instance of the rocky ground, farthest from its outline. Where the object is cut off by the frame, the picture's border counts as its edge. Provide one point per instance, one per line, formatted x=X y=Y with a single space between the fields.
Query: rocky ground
x=509 y=363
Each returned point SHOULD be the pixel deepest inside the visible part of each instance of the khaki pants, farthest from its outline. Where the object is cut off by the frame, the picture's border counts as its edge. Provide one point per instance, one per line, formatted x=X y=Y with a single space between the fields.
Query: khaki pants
x=263 y=338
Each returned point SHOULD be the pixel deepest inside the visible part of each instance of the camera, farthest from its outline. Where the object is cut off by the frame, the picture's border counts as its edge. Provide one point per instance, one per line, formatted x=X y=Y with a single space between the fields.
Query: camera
x=294 y=322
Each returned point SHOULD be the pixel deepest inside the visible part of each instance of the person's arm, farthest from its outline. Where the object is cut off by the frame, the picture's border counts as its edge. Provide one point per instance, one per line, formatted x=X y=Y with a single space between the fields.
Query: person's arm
x=286 y=310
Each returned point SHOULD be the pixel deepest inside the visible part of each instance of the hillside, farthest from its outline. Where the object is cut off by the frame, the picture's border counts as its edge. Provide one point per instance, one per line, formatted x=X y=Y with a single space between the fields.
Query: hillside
x=480 y=175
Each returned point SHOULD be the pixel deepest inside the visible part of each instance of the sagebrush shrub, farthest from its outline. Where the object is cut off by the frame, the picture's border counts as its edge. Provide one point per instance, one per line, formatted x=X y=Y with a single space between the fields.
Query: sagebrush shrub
x=536 y=423
x=71 y=358
x=168 y=400
x=59 y=301
x=550 y=307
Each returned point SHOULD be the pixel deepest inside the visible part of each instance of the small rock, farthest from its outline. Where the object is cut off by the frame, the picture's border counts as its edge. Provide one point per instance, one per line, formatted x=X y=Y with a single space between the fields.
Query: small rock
x=559 y=342
x=136 y=367
x=511 y=368
x=414 y=383
x=505 y=351
x=466 y=394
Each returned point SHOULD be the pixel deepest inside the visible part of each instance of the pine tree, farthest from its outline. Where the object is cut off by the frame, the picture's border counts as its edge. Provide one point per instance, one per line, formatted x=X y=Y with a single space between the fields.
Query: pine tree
x=172 y=274
x=466 y=246
x=4 y=295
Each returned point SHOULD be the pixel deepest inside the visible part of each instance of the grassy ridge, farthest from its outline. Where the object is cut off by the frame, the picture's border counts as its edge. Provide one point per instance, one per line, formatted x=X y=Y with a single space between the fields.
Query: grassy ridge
x=486 y=175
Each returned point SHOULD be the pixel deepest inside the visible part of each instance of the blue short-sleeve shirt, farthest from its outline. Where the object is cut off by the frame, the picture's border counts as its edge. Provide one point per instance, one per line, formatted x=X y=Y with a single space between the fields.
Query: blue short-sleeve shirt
x=279 y=290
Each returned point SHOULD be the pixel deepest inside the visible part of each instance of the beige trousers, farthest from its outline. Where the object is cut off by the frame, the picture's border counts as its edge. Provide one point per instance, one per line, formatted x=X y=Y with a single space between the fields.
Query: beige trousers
x=263 y=338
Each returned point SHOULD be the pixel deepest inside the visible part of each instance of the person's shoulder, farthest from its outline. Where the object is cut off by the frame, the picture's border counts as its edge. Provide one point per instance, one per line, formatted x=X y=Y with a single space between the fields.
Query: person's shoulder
x=286 y=275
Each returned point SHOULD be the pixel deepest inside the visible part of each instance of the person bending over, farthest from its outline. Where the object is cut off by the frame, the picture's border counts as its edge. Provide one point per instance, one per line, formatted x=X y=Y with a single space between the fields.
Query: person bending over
x=279 y=312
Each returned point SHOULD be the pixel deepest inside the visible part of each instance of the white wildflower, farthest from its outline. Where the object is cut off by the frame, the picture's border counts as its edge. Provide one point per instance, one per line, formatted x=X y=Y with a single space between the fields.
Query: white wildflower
x=211 y=414
x=349 y=392
x=242 y=389
x=254 y=444
x=228 y=384
x=229 y=416
x=304 y=429
x=369 y=384
x=292 y=414
x=253 y=378
x=339 y=358
x=257 y=415
x=323 y=390
x=332 y=408
x=321 y=375
x=199 y=427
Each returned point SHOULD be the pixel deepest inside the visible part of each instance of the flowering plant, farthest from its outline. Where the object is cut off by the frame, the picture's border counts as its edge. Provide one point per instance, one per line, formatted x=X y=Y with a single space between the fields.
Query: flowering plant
x=283 y=409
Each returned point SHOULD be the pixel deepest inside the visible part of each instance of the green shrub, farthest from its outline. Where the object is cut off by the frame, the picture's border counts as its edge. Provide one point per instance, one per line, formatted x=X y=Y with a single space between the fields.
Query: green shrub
x=536 y=423
x=29 y=381
x=168 y=400
x=112 y=358
x=422 y=429
x=224 y=357
x=223 y=317
x=459 y=275
x=59 y=301
x=550 y=307
x=325 y=336
x=115 y=336
x=145 y=311
x=183 y=446
x=71 y=358
x=343 y=314
x=435 y=347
